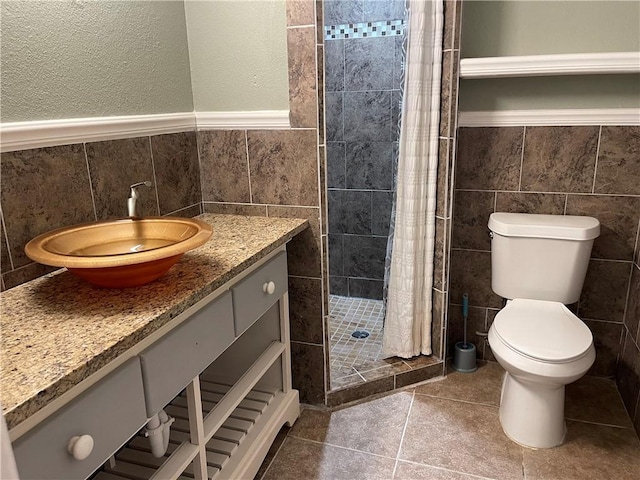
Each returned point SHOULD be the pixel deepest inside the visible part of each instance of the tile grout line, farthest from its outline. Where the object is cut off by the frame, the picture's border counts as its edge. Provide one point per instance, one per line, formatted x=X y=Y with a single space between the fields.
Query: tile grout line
x=246 y=149
x=595 y=168
x=528 y=192
x=274 y=457
x=153 y=172
x=349 y=449
x=93 y=200
x=404 y=430
x=524 y=136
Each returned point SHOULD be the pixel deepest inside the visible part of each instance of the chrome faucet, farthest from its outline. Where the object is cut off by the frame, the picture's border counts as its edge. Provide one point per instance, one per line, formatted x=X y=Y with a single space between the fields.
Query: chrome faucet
x=133 y=197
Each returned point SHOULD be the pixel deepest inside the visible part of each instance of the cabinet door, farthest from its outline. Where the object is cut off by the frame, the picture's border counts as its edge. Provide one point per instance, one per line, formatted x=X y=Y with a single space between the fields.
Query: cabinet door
x=181 y=355
x=110 y=412
x=255 y=294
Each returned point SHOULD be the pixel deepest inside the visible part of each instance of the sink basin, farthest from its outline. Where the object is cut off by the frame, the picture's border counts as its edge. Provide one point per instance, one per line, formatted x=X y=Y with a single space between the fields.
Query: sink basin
x=120 y=253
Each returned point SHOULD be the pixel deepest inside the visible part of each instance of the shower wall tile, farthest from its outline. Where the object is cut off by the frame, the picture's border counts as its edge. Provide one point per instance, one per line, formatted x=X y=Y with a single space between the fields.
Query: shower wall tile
x=334 y=65
x=605 y=291
x=304 y=250
x=224 y=166
x=334 y=118
x=319 y=21
x=369 y=165
x=300 y=12
x=618 y=167
x=437 y=322
x=442 y=190
x=471 y=273
x=521 y=202
x=349 y=212
x=307 y=369
x=336 y=252
x=618 y=216
x=336 y=165
x=283 y=166
x=43 y=189
x=446 y=128
x=303 y=95
x=175 y=160
x=367 y=116
x=116 y=164
x=559 y=159
x=488 y=158
x=470 y=220
x=364 y=256
x=439 y=254
x=381 y=205
x=305 y=305
x=383 y=10
x=369 y=63
x=339 y=285
x=449 y=21
x=365 y=288
x=606 y=340
x=337 y=12
x=321 y=90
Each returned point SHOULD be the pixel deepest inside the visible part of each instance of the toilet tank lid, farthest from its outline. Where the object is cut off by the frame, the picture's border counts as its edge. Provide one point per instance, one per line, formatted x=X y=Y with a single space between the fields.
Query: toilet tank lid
x=564 y=227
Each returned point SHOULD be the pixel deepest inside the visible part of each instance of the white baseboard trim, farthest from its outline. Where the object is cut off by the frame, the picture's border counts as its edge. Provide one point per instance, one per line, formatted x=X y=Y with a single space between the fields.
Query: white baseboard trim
x=559 y=117
x=544 y=65
x=257 y=120
x=48 y=133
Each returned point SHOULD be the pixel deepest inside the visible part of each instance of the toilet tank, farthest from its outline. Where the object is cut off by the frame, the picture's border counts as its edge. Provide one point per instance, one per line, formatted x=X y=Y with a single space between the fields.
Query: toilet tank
x=540 y=257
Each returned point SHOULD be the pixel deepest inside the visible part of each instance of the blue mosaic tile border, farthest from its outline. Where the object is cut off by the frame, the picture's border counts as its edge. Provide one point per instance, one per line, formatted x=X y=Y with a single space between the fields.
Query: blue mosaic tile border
x=383 y=28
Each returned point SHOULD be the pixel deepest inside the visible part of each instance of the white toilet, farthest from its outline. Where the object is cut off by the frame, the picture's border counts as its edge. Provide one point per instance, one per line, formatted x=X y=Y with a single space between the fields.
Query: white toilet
x=538 y=264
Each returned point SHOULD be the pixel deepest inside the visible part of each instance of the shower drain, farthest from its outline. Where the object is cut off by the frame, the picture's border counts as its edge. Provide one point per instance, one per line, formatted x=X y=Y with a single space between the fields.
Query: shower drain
x=360 y=334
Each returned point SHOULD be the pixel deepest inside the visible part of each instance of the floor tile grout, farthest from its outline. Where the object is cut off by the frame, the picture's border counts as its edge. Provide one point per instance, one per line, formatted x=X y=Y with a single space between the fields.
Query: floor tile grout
x=404 y=429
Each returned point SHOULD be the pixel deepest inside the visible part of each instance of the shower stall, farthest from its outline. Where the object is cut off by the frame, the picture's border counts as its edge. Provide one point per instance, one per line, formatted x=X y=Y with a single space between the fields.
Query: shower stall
x=363 y=48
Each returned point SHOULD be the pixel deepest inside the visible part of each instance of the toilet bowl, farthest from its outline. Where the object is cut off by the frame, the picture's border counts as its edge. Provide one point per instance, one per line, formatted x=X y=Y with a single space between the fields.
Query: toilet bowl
x=542 y=346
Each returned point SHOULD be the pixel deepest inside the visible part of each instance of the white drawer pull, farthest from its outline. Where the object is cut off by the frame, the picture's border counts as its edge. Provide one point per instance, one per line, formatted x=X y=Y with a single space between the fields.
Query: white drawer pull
x=80 y=446
x=269 y=288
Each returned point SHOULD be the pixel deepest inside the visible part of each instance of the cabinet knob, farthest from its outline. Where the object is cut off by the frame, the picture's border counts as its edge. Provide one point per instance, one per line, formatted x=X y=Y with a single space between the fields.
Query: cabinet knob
x=80 y=447
x=269 y=288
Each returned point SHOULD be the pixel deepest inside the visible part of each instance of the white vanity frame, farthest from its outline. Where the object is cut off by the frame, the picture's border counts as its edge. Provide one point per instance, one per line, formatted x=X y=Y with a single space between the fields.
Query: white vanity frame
x=256 y=303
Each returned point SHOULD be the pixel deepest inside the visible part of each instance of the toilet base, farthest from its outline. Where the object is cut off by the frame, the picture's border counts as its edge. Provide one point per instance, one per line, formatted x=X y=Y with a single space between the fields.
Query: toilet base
x=531 y=413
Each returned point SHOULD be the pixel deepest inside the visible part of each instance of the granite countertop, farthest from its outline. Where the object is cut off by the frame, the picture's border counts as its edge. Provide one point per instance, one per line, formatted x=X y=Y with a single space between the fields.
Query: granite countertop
x=58 y=330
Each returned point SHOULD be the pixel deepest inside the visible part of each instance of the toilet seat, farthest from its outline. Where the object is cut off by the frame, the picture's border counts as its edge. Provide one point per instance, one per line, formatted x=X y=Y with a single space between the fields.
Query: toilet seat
x=543 y=331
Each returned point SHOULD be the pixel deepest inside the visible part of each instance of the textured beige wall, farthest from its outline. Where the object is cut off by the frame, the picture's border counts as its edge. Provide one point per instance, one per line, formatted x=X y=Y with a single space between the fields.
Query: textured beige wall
x=503 y=28
x=238 y=55
x=82 y=59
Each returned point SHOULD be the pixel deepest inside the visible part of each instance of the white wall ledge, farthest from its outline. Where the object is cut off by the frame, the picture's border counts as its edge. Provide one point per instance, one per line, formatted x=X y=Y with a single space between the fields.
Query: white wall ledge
x=48 y=133
x=555 y=117
x=546 y=65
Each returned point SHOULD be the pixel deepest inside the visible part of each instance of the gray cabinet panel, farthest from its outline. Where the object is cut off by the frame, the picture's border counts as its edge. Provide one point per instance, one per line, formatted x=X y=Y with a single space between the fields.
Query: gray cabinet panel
x=111 y=412
x=181 y=355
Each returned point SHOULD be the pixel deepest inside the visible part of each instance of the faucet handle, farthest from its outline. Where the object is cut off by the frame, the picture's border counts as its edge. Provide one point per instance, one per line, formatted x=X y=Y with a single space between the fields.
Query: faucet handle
x=134 y=187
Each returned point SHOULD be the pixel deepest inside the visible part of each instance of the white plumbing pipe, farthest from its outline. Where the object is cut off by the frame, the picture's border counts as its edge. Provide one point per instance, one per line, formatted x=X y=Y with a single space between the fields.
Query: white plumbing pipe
x=158 y=429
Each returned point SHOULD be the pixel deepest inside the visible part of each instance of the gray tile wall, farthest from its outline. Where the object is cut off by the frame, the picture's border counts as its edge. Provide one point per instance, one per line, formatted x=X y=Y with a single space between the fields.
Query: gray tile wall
x=362 y=104
x=588 y=170
x=47 y=188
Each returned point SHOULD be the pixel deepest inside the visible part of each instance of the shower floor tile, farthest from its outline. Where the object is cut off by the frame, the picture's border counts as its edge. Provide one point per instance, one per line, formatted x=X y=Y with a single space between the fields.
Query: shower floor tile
x=450 y=429
x=349 y=354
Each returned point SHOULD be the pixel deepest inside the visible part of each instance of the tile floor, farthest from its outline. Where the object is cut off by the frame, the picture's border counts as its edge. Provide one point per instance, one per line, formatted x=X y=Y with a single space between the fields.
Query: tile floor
x=449 y=429
x=348 y=314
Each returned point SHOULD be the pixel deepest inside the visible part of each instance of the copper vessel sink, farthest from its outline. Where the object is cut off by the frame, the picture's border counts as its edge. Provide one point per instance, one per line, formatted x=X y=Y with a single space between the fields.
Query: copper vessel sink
x=120 y=253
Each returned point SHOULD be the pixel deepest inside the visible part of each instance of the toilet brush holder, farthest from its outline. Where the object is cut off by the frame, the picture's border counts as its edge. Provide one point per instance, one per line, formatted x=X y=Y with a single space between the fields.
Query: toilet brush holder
x=464 y=357
x=464 y=353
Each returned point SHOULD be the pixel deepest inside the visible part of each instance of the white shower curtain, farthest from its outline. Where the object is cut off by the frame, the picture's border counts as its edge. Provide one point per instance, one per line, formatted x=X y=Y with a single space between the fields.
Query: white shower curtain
x=407 y=327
